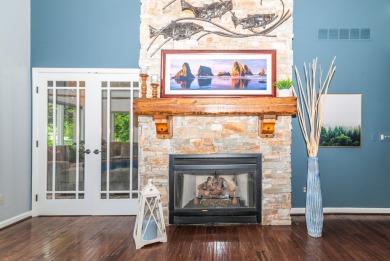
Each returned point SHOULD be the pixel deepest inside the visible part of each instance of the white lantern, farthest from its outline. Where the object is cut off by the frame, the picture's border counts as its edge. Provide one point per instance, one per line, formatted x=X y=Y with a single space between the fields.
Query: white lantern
x=149 y=226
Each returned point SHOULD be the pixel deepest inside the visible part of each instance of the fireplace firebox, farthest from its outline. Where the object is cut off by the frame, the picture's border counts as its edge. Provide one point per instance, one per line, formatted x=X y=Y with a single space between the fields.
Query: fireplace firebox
x=214 y=188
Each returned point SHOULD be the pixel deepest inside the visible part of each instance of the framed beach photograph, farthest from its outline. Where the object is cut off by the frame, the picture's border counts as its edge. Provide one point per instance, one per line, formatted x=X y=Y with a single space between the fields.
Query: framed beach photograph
x=342 y=121
x=204 y=73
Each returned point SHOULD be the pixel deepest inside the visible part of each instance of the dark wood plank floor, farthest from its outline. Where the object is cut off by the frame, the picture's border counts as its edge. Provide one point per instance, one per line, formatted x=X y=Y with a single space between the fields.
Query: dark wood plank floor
x=345 y=237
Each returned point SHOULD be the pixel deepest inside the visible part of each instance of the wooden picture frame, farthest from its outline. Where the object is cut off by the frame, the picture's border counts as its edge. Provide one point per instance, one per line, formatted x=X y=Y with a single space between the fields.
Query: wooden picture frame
x=342 y=121
x=227 y=73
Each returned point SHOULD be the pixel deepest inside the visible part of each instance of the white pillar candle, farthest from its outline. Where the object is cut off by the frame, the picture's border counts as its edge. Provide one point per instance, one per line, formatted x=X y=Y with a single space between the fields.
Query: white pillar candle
x=154 y=79
x=144 y=70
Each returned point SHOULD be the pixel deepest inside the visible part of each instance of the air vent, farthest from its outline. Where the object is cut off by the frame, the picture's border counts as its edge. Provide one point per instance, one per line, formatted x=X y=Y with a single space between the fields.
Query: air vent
x=333 y=34
x=344 y=34
x=323 y=34
x=365 y=34
x=355 y=34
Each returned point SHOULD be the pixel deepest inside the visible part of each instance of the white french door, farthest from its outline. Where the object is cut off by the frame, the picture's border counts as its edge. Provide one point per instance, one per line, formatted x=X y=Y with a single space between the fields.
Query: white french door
x=85 y=147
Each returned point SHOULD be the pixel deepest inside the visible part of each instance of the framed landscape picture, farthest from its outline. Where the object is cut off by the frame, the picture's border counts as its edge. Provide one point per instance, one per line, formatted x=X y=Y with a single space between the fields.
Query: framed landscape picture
x=342 y=121
x=203 y=73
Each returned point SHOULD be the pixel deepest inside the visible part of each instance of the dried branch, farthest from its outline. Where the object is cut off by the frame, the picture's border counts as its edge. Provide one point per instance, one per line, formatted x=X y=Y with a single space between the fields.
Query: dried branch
x=311 y=102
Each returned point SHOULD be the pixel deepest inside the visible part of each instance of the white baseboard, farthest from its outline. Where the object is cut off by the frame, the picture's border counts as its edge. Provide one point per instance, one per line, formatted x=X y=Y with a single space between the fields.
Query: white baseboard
x=15 y=219
x=297 y=211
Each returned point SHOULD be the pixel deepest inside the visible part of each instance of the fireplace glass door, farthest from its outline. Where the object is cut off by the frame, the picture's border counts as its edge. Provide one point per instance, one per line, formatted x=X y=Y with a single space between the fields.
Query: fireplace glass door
x=215 y=188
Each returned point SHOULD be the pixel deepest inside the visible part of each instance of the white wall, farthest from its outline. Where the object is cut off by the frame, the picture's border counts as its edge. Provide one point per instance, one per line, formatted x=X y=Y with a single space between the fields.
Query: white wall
x=15 y=109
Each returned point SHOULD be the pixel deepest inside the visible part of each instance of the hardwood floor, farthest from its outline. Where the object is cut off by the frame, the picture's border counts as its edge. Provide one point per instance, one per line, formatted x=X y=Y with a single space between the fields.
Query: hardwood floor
x=345 y=237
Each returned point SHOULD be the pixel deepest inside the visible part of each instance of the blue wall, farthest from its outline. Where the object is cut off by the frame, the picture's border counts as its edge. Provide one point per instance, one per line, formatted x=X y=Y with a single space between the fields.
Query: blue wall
x=101 y=33
x=15 y=107
x=85 y=33
x=351 y=177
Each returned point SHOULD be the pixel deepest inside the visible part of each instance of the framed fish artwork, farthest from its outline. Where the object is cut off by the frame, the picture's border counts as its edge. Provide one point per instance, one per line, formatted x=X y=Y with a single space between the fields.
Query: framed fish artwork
x=221 y=73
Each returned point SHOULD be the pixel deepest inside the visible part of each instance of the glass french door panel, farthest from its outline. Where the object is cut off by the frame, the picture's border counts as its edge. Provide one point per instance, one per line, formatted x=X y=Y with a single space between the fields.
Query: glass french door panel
x=136 y=94
x=65 y=123
x=67 y=109
x=117 y=151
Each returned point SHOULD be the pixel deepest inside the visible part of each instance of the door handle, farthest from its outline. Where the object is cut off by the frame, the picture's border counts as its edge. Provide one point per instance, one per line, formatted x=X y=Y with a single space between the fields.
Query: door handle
x=87 y=151
x=96 y=151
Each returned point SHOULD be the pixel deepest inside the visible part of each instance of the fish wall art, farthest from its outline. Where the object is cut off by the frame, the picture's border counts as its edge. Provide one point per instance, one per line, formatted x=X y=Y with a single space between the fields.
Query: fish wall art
x=260 y=24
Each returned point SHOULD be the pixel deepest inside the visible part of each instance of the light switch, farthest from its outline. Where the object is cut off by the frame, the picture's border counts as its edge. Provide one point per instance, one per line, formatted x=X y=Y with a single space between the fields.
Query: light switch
x=381 y=137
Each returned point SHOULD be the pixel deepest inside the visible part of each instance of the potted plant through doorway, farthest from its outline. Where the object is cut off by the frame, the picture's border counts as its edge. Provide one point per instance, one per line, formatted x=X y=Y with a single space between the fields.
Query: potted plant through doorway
x=284 y=87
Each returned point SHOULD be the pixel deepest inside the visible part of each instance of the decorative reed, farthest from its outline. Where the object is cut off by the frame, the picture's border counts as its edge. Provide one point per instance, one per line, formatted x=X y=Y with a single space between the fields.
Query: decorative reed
x=311 y=101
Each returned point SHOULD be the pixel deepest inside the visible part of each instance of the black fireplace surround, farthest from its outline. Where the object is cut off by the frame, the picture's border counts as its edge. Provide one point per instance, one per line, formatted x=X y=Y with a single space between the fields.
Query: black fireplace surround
x=214 y=188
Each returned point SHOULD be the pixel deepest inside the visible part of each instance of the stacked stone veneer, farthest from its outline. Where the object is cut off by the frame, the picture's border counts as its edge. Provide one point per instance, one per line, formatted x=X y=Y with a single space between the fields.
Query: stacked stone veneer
x=228 y=134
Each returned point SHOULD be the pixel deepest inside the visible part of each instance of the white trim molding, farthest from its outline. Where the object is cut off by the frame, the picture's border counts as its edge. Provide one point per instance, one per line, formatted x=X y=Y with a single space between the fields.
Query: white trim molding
x=15 y=219
x=299 y=211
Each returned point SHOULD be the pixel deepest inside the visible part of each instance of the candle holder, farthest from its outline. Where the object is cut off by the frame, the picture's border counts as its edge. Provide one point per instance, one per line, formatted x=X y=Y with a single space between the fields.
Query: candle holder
x=144 y=77
x=154 y=89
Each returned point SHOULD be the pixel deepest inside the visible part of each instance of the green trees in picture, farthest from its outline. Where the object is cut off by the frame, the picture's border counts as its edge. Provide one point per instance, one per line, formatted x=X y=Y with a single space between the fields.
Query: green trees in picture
x=340 y=136
x=342 y=121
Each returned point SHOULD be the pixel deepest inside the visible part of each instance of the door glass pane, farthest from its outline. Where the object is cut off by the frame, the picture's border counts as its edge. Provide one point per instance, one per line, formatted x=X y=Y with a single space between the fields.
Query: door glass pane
x=65 y=165
x=104 y=144
x=135 y=149
x=66 y=84
x=65 y=141
x=116 y=141
x=120 y=84
x=80 y=150
x=120 y=142
x=50 y=143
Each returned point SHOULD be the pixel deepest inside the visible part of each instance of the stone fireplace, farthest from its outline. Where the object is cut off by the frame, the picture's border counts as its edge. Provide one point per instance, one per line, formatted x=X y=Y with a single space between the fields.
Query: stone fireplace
x=220 y=134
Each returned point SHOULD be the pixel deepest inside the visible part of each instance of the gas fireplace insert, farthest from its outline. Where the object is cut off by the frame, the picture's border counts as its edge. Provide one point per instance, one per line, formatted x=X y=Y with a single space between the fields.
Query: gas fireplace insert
x=214 y=188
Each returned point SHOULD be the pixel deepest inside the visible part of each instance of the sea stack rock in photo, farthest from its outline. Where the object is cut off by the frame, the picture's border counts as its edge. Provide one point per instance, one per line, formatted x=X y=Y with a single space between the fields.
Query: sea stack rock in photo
x=205 y=71
x=185 y=73
x=262 y=71
x=223 y=74
x=237 y=69
x=247 y=71
x=240 y=70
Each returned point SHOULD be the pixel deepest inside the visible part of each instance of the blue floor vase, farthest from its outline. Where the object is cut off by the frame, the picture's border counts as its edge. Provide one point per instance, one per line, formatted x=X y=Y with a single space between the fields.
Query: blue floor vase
x=314 y=210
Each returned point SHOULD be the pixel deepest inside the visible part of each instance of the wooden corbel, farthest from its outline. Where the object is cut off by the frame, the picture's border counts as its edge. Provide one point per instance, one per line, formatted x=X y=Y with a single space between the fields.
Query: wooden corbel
x=267 y=126
x=164 y=128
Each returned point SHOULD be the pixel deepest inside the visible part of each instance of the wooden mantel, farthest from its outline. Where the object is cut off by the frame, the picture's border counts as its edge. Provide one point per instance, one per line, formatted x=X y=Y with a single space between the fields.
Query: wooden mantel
x=163 y=109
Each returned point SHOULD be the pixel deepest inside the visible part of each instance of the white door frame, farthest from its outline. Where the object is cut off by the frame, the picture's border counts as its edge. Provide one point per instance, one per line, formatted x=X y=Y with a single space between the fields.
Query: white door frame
x=35 y=128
